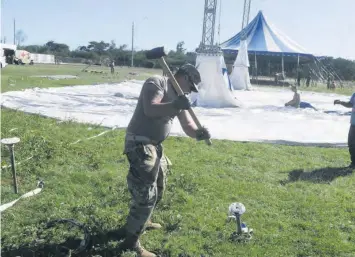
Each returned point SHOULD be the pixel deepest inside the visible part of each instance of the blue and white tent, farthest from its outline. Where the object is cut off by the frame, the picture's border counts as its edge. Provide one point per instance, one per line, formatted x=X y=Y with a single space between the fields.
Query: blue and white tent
x=264 y=39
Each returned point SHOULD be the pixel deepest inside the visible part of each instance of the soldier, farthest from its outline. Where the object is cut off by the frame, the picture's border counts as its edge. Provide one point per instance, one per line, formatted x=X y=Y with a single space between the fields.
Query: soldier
x=157 y=106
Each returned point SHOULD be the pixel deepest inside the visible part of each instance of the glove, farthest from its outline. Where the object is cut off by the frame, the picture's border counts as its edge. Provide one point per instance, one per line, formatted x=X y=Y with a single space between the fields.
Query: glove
x=202 y=134
x=336 y=102
x=182 y=103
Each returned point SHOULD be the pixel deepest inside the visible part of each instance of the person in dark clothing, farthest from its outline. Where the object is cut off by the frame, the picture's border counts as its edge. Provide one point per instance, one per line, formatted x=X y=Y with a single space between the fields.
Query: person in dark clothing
x=112 y=66
x=308 y=80
x=299 y=79
x=328 y=82
x=351 y=135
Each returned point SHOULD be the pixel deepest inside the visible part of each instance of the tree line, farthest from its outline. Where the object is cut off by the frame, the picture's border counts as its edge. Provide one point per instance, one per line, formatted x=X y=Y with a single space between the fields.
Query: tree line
x=103 y=53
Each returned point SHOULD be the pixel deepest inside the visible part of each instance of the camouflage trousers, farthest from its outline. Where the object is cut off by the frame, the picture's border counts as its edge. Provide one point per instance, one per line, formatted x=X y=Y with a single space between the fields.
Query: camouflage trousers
x=146 y=182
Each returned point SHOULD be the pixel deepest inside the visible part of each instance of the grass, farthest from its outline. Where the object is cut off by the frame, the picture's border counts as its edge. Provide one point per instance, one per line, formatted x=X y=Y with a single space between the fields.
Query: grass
x=15 y=77
x=347 y=90
x=300 y=201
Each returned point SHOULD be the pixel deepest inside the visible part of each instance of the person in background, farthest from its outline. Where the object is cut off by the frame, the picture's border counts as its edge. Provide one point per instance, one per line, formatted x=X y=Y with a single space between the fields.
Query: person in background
x=296 y=101
x=308 y=79
x=351 y=134
x=112 y=66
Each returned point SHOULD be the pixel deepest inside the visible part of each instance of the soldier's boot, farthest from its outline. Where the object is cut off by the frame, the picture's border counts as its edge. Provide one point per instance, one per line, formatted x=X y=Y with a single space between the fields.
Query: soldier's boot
x=131 y=243
x=151 y=225
x=118 y=234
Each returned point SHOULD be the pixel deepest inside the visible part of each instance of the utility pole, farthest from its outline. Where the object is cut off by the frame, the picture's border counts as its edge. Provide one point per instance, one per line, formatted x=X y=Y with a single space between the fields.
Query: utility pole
x=14 y=32
x=132 y=43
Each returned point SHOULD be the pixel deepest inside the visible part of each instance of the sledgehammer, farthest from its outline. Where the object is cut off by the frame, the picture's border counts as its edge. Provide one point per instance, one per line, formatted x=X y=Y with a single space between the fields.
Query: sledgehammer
x=159 y=53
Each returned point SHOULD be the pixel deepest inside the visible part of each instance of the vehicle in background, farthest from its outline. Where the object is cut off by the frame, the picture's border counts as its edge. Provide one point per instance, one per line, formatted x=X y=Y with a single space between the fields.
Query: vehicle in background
x=22 y=57
x=7 y=54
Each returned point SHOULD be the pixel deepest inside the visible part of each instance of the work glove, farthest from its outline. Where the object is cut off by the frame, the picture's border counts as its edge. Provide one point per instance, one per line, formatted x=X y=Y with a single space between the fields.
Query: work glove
x=336 y=102
x=182 y=103
x=202 y=134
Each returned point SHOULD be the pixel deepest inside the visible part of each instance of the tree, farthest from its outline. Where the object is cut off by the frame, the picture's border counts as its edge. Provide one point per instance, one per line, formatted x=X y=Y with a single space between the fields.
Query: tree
x=20 y=37
x=82 y=48
x=112 y=45
x=180 y=48
x=40 y=49
x=345 y=69
x=98 y=47
x=57 y=48
x=123 y=47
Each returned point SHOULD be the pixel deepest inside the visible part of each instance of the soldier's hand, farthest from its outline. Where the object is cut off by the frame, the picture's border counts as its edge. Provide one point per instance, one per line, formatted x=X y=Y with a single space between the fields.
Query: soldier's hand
x=182 y=103
x=202 y=134
x=336 y=102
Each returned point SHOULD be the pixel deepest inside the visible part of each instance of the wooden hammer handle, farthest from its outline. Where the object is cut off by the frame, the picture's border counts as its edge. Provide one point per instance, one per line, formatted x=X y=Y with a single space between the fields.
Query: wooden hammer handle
x=180 y=92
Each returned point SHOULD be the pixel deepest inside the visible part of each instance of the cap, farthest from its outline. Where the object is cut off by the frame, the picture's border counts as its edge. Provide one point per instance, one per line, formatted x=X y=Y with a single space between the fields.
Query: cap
x=193 y=74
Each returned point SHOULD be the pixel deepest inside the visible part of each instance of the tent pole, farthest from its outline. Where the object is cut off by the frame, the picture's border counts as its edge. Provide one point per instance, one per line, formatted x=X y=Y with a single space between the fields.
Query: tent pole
x=270 y=70
x=298 y=65
x=282 y=68
x=256 y=68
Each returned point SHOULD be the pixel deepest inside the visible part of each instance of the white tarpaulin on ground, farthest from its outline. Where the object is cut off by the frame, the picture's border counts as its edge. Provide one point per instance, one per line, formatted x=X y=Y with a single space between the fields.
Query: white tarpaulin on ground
x=262 y=117
x=214 y=90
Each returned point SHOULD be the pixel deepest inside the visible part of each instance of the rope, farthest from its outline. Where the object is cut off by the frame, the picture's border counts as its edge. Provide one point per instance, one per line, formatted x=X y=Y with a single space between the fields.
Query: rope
x=40 y=183
x=39 y=188
x=79 y=140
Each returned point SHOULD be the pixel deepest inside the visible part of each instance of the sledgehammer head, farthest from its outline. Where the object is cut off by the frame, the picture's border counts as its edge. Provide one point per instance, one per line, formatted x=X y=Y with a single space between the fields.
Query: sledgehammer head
x=156 y=53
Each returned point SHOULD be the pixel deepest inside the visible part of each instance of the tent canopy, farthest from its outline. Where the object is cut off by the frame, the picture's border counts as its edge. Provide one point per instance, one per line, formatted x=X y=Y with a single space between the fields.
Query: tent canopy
x=264 y=39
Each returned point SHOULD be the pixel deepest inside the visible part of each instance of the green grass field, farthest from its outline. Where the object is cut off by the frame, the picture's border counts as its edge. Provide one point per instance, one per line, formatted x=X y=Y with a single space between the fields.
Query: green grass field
x=348 y=89
x=15 y=77
x=300 y=201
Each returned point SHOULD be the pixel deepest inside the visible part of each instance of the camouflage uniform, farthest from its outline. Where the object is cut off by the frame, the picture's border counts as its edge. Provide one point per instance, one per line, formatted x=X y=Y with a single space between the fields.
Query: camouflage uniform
x=149 y=166
x=146 y=181
x=146 y=178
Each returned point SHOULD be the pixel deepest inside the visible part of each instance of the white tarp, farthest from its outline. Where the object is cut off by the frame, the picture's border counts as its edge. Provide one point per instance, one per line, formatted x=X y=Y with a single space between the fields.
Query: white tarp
x=214 y=89
x=263 y=116
x=240 y=75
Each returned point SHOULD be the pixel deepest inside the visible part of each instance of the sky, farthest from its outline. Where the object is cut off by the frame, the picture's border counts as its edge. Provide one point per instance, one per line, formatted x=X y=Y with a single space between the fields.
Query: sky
x=321 y=27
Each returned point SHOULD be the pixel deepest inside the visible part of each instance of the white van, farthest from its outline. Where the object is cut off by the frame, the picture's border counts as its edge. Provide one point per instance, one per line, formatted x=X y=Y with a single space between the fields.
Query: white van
x=5 y=50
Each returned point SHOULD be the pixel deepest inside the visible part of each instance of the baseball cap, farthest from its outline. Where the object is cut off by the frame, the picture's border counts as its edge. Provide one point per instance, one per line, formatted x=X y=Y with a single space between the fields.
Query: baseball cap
x=192 y=73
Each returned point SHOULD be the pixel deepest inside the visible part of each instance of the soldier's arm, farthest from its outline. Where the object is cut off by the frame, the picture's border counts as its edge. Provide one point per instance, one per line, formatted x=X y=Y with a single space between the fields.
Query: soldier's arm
x=346 y=104
x=349 y=104
x=153 y=107
x=187 y=123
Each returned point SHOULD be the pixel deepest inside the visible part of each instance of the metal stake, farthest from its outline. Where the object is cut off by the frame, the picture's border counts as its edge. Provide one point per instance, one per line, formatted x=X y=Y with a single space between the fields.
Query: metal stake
x=239 y=224
x=10 y=142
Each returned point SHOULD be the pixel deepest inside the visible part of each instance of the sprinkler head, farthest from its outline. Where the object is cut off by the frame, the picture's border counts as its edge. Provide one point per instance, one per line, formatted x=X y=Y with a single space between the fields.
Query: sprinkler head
x=10 y=141
x=242 y=233
x=236 y=209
